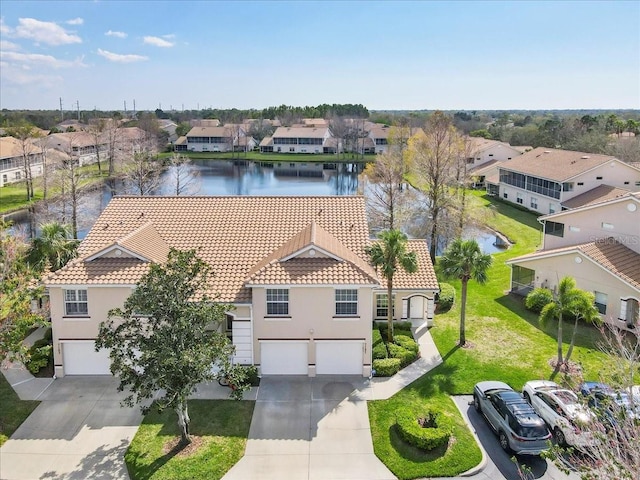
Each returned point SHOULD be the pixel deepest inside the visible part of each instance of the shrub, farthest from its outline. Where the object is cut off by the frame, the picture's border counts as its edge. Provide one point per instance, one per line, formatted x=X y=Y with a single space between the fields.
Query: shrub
x=385 y=367
x=406 y=333
x=39 y=356
x=407 y=343
x=378 y=347
x=399 y=328
x=427 y=430
x=446 y=297
x=405 y=356
x=252 y=375
x=48 y=335
x=537 y=299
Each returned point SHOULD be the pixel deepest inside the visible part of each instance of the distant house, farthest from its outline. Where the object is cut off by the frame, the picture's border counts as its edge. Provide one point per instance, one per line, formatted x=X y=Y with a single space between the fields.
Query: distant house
x=482 y=151
x=598 y=244
x=229 y=138
x=298 y=140
x=544 y=178
x=295 y=269
x=12 y=165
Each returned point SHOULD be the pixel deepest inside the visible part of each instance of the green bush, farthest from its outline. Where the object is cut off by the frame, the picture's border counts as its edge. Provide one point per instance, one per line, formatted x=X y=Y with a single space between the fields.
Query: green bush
x=378 y=348
x=406 y=333
x=252 y=375
x=39 y=356
x=405 y=356
x=48 y=335
x=537 y=299
x=385 y=367
x=399 y=328
x=427 y=430
x=446 y=297
x=376 y=337
x=406 y=342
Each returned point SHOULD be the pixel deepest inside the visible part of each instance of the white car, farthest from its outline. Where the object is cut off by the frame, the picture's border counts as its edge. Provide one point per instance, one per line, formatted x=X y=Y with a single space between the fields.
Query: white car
x=562 y=411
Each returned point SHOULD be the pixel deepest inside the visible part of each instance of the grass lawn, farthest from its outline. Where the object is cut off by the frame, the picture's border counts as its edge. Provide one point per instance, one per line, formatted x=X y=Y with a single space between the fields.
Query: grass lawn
x=508 y=345
x=13 y=411
x=223 y=426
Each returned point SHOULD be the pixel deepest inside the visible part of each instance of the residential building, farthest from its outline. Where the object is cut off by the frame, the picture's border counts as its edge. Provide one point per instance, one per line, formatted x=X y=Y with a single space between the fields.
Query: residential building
x=298 y=140
x=598 y=244
x=483 y=151
x=229 y=138
x=294 y=269
x=542 y=179
x=12 y=165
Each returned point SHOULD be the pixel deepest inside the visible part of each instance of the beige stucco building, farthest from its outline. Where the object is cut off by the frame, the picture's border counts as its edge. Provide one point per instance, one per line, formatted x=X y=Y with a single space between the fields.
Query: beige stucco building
x=294 y=268
x=598 y=244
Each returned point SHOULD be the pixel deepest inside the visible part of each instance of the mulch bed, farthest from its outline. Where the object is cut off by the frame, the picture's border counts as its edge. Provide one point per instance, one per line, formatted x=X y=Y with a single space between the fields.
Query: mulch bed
x=174 y=448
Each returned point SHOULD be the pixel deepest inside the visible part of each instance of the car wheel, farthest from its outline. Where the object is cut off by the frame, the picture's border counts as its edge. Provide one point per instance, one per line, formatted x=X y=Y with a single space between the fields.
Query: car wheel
x=527 y=397
x=504 y=442
x=559 y=436
x=476 y=403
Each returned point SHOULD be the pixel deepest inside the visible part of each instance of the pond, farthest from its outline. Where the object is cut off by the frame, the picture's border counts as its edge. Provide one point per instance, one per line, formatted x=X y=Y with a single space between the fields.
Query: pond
x=238 y=178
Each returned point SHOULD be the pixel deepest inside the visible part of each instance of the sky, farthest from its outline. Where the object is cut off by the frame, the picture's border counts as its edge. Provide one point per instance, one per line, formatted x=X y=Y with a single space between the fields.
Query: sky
x=386 y=55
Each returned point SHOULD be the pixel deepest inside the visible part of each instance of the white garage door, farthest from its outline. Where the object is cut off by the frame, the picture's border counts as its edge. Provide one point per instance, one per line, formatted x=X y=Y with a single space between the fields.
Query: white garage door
x=339 y=357
x=80 y=358
x=283 y=357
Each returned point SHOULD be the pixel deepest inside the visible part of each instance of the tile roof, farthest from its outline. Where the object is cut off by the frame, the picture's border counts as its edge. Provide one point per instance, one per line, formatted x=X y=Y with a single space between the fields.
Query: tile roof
x=609 y=253
x=300 y=132
x=266 y=141
x=553 y=164
x=209 y=132
x=482 y=169
x=479 y=144
x=601 y=193
x=423 y=278
x=232 y=234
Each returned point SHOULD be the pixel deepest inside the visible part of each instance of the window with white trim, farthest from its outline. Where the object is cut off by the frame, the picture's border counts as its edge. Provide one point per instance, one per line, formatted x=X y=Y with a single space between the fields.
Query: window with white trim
x=75 y=302
x=534 y=202
x=629 y=312
x=382 y=305
x=277 y=301
x=346 y=301
x=601 y=302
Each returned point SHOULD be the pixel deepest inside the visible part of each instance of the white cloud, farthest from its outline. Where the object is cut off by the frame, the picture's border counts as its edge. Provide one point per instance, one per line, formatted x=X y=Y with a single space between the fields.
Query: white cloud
x=7 y=45
x=115 y=57
x=170 y=35
x=112 y=33
x=158 y=42
x=29 y=60
x=75 y=21
x=20 y=76
x=44 y=32
x=4 y=28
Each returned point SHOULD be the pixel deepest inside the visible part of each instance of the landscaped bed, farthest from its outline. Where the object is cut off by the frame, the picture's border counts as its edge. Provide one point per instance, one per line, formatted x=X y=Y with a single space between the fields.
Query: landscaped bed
x=219 y=427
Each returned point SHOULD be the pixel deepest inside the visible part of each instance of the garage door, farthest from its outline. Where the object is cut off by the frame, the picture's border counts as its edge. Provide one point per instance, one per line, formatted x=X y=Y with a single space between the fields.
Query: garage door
x=283 y=357
x=339 y=357
x=80 y=358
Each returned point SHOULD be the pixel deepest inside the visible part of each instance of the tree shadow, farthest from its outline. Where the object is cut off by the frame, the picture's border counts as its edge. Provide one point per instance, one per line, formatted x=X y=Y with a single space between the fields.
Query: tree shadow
x=104 y=463
x=453 y=350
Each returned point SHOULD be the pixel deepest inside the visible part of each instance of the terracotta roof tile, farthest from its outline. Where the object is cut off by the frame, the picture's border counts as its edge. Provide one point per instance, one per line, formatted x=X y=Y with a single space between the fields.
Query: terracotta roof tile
x=424 y=278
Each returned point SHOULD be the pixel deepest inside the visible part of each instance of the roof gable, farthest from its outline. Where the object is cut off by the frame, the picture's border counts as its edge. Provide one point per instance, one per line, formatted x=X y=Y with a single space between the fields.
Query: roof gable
x=143 y=243
x=596 y=204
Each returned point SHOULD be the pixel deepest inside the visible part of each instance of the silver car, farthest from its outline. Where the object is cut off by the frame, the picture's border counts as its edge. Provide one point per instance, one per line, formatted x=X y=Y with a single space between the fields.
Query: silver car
x=520 y=430
x=563 y=412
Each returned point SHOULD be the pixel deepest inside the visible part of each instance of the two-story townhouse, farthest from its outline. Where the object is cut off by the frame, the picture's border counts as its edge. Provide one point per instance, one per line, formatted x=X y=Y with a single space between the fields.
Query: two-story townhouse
x=211 y=139
x=542 y=179
x=12 y=159
x=484 y=156
x=81 y=145
x=598 y=244
x=294 y=269
x=298 y=140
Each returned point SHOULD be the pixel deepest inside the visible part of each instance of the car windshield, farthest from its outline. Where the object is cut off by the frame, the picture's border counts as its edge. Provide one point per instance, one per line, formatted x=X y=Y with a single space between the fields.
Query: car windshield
x=567 y=397
x=532 y=431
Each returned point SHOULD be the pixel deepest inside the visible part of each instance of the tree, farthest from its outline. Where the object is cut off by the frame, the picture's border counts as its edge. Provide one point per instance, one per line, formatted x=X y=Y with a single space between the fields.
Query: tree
x=387 y=196
x=433 y=158
x=24 y=132
x=17 y=291
x=183 y=177
x=96 y=130
x=54 y=248
x=160 y=343
x=142 y=174
x=614 y=428
x=568 y=300
x=464 y=260
x=389 y=254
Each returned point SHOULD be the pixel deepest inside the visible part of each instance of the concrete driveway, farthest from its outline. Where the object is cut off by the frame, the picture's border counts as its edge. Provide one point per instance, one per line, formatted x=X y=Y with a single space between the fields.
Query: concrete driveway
x=310 y=429
x=79 y=431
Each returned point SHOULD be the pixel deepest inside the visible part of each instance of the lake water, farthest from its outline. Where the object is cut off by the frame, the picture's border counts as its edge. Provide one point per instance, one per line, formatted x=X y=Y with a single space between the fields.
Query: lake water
x=241 y=178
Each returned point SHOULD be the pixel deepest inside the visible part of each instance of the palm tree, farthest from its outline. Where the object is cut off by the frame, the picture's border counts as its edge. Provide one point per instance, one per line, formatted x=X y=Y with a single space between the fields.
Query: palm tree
x=464 y=260
x=568 y=300
x=54 y=247
x=389 y=254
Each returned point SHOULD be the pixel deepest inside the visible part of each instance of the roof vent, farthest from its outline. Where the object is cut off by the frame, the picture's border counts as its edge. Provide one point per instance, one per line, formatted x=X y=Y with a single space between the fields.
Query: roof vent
x=584 y=157
x=547 y=151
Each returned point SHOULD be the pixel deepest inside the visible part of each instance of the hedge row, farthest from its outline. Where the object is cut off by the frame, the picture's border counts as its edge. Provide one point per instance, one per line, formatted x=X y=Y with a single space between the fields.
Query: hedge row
x=446 y=297
x=434 y=431
x=389 y=358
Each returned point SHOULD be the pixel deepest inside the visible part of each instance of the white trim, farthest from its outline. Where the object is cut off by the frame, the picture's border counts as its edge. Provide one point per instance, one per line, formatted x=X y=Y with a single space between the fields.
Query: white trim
x=315 y=285
x=349 y=340
x=88 y=286
x=284 y=340
x=311 y=247
x=612 y=201
x=113 y=247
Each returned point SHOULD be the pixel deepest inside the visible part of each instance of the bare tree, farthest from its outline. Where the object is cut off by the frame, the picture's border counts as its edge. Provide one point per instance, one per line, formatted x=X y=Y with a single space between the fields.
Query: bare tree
x=96 y=130
x=111 y=137
x=387 y=195
x=184 y=178
x=24 y=133
x=433 y=158
x=69 y=177
x=615 y=428
x=142 y=174
x=339 y=130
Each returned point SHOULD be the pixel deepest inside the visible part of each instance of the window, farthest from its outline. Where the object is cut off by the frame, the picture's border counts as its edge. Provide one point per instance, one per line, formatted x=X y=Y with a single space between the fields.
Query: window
x=470 y=160
x=520 y=199
x=552 y=208
x=554 y=228
x=346 y=302
x=580 y=184
x=534 y=203
x=626 y=183
x=601 y=302
x=567 y=187
x=382 y=305
x=505 y=195
x=277 y=301
x=75 y=302
x=598 y=178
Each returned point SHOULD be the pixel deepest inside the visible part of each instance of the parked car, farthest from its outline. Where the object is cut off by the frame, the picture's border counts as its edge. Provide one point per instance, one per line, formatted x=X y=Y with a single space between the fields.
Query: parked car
x=519 y=428
x=610 y=404
x=561 y=409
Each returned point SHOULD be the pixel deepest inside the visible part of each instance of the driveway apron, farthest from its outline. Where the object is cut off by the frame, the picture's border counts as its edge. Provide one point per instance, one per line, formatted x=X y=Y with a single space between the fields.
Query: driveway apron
x=79 y=431
x=310 y=429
